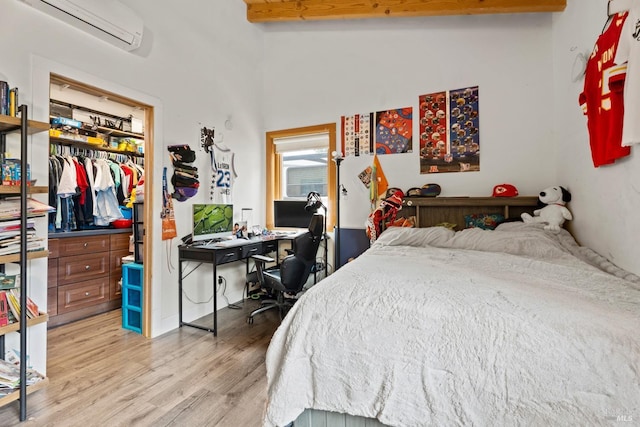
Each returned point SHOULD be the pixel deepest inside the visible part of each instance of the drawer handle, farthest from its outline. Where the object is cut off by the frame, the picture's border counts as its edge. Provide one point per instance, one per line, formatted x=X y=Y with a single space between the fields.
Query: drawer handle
x=229 y=254
x=86 y=244
x=86 y=294
x=254 y=250
x=87 y=267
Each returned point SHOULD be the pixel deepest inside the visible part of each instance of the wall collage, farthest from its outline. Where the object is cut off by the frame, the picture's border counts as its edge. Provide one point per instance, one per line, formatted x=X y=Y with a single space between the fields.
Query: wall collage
x=448 y=127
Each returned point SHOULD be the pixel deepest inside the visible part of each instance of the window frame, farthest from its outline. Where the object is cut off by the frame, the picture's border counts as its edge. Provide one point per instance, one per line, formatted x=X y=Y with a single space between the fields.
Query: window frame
x=274 y=177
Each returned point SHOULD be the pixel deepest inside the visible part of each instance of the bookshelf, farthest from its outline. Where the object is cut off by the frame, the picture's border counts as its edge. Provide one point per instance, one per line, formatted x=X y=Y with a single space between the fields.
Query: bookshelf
x=23 y=127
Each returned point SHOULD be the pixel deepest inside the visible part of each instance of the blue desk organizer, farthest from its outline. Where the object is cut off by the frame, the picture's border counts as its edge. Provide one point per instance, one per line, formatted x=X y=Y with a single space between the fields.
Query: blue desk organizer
x=132 y=279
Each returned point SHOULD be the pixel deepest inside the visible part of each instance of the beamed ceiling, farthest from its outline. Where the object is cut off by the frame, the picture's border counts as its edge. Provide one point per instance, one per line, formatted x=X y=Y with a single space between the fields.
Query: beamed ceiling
x=310 y=10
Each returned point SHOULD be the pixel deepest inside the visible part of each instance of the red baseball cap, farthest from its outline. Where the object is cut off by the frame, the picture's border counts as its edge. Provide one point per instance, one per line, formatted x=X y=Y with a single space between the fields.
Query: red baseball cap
x=505 y=190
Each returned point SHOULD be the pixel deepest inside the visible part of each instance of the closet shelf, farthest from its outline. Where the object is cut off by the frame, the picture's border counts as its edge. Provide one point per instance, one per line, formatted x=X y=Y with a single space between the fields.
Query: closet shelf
x=87 y=146
x=114 y=132
x=118 y=132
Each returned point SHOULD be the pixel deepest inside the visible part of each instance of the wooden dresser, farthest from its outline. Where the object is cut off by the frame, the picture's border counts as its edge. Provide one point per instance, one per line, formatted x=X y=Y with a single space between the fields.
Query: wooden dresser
x=85 y=275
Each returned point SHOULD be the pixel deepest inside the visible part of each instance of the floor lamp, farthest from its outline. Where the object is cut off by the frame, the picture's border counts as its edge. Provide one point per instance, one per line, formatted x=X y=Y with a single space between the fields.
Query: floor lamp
x=337 y=157
x=314 y=202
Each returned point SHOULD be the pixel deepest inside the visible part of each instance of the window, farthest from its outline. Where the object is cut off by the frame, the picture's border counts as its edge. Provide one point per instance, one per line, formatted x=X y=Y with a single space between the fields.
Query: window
x=298 y=162
x=304 y=171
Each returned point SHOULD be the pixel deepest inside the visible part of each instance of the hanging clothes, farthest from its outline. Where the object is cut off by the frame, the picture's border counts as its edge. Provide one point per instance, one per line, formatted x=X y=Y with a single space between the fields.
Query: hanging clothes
x=604 y=108
x=107 y=206
x=80 y=196
x=224 y=174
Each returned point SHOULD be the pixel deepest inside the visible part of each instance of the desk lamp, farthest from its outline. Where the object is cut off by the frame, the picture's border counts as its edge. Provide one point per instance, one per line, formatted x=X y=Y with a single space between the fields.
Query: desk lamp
x=314 y=202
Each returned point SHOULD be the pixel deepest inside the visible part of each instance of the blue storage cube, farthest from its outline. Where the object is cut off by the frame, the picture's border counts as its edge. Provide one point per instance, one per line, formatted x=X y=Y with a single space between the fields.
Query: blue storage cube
x=132 y=319
x=132 y=275
x=132 y=298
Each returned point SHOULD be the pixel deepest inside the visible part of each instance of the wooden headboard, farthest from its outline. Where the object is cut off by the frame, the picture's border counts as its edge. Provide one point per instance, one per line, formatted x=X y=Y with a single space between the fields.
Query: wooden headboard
x=430 y=211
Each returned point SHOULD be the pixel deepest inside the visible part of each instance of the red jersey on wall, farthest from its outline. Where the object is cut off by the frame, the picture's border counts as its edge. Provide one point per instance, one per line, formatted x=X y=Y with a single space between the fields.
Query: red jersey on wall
x=604 y=107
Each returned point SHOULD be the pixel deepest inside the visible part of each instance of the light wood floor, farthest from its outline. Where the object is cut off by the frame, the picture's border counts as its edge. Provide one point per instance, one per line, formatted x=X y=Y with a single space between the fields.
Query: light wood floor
x=103 y=375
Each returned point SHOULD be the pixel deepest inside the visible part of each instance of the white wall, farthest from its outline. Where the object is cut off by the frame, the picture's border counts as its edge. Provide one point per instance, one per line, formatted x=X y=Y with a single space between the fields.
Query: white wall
x=315 y=72
x=606 y=200
x=200 y=63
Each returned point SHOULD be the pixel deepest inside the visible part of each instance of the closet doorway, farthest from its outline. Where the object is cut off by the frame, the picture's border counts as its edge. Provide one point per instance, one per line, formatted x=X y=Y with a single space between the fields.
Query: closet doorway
x=107 y=133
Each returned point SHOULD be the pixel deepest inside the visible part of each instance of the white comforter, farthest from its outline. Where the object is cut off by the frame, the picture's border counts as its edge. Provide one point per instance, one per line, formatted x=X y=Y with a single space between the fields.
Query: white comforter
x=430 y=328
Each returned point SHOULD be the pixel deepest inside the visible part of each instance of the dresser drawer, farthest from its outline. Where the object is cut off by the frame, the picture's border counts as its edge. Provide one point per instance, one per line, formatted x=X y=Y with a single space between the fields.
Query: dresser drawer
x=83 y=245
x=120 y=241
x=84 y=294
x=73 y=269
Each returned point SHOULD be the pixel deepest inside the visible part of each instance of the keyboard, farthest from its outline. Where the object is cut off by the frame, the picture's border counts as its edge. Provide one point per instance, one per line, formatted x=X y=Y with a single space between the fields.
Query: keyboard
x=226 y=244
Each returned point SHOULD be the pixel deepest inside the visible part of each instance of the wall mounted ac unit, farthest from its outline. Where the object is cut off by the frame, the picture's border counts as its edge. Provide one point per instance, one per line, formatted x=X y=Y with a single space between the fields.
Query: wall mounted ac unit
x=108 y=20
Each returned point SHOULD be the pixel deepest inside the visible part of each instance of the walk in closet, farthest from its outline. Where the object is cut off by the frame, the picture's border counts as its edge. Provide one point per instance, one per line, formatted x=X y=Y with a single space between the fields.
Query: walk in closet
x=97 y=146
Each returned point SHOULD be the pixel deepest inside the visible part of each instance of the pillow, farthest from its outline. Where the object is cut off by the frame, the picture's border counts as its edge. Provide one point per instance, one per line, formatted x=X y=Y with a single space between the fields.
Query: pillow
x=484 y=221
x=420 y=237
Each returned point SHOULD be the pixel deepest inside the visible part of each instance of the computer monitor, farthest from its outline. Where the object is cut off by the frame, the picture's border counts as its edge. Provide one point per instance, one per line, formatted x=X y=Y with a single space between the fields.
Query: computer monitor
x=212 y=221
x=291 y=214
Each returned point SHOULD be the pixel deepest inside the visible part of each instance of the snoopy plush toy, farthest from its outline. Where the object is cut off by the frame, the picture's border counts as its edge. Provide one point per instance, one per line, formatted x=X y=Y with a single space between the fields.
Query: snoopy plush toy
x=554 y=213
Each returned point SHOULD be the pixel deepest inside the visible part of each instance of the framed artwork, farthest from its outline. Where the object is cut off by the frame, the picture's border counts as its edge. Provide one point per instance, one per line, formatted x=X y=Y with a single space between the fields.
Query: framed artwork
x=449 y=126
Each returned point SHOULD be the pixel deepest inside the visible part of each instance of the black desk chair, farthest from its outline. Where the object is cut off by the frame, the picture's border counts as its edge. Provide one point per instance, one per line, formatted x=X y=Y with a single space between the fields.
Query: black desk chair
x=292 y=274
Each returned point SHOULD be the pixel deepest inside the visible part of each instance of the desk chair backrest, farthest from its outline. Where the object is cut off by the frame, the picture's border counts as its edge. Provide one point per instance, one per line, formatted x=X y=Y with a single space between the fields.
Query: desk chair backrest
x=295 y=269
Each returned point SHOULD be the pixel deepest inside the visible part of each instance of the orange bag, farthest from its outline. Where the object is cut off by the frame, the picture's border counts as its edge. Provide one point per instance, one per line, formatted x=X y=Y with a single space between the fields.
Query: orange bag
x=169 y=230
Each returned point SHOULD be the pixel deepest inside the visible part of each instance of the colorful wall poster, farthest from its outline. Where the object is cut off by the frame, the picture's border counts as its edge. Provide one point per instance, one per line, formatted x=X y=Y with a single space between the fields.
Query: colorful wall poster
x=357 y=131
x=450 y=131
x=394 y=129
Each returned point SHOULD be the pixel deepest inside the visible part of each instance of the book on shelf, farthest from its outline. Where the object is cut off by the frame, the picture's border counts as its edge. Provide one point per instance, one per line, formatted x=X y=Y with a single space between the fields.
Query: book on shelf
x=14 y=248
x=14 y=225
x=4 y=309
x=9 y=281
x=10 y=376
x=14 y=304
x=12 y=172
x=16 y=238
x=13 y=296
x=4 y=98
x=32 y=309
x=10 y=208
x=13 y=102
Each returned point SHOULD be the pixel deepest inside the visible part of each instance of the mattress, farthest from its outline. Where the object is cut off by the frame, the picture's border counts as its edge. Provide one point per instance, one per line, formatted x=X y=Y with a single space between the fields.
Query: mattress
x=433 y=327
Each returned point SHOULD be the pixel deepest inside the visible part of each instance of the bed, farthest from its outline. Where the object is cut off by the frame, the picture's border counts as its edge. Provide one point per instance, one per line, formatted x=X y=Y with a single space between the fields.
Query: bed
x=431 y=326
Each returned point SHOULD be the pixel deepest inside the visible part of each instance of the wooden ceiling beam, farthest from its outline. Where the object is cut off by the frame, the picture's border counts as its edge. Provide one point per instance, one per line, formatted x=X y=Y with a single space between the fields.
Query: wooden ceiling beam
x=307 y=10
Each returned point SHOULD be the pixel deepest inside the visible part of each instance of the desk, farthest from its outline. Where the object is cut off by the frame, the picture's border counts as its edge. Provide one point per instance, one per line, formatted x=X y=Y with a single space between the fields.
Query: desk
x=218 y=256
